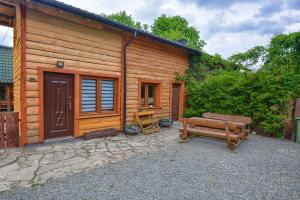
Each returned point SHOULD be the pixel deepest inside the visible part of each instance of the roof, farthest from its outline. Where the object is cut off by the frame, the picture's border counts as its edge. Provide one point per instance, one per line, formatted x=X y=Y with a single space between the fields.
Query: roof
x=6 y=64
x=104 y=20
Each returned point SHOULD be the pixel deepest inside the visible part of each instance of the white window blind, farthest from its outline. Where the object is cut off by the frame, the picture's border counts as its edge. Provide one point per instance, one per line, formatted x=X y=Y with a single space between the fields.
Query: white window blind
x=88 y=95
x=107 y=95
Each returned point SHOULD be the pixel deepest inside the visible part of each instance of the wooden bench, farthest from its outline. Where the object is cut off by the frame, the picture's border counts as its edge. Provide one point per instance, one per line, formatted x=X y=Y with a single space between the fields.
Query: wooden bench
x=218 y=129
x=244 y=121
x=147 y=122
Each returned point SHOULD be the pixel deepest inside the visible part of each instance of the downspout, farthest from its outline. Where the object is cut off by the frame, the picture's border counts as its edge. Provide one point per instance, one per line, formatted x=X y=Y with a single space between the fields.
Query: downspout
x=125 y=78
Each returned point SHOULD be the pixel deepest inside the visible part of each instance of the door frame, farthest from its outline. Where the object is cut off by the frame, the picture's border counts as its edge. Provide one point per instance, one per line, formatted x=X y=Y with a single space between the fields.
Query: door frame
x=181 y=98
x=41 y=72
x=68 y=129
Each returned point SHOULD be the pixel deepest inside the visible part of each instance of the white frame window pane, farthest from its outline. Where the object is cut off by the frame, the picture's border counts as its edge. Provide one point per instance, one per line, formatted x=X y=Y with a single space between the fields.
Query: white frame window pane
x=88 y=95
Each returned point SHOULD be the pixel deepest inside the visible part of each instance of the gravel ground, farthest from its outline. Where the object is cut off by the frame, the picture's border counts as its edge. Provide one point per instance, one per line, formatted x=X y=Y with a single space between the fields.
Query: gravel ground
x=261 y=168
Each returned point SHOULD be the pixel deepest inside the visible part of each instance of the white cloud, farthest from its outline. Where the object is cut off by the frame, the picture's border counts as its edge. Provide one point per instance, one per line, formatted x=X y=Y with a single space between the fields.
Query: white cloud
x=226 y=43
x=227 y=26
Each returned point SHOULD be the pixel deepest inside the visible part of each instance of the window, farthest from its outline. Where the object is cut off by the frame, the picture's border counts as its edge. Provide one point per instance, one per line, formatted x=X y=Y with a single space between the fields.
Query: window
x=107 y=95
x=97 y=95
x=150 y=94
x=2 y=92
x=89 y=95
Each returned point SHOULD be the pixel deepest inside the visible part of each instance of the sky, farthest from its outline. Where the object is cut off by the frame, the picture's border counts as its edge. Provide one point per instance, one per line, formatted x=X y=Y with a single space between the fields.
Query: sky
x=227 y=26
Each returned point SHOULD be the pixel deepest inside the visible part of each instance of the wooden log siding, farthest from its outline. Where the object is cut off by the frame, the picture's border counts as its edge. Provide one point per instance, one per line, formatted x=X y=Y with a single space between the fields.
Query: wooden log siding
x=17 y=60
x=83 y=49
x=88 y=47
x=148 y=59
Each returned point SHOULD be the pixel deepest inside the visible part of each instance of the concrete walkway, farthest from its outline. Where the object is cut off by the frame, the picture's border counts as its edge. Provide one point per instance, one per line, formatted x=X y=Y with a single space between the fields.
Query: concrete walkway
x=36 y=164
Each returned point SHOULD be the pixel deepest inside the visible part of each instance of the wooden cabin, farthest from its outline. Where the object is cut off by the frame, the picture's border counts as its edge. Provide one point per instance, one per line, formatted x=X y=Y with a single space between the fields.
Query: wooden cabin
x=75 y=71
x=6 y=79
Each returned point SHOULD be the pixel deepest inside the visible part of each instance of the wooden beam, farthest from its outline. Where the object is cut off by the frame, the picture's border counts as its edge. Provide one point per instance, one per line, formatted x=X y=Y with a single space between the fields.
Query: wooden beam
x=10 y=3
x=6 y=21
x=23 y=104
x=5 y=24
x=212 y=134
x=7 y=10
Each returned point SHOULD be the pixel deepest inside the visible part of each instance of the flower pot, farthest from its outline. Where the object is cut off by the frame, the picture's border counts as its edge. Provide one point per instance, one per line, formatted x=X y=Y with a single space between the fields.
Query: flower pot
x=165 y=123
x=132 y=131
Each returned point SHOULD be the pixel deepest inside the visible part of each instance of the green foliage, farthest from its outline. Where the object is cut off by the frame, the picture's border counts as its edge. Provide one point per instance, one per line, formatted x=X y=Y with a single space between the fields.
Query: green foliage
x=283 y=52
x=264 y=95
x=124 y=18
x=250 y=57
x=170 y=27
x=271 y=94
x=176 y=28
x=220 y=92
x=205 y=63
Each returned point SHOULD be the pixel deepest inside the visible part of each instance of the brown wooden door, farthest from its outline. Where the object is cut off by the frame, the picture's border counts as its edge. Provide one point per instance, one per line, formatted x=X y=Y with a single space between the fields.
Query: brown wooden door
x=58 y=105
x=175 y=102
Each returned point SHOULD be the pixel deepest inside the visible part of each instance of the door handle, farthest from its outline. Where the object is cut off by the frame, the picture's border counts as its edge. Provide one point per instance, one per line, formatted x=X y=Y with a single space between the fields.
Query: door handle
x=70 y=104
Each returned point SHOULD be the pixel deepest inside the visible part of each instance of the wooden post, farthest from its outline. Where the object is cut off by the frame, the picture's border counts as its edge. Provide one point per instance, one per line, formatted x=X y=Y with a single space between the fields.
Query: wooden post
x=8 y=98
x=230 y=144
x=184 y=135
x=2 y=119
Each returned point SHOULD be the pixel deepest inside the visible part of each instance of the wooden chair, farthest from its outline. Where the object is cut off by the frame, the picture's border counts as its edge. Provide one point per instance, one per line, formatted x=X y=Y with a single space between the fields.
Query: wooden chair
x=147 y=122
x=218 y=129
x=241 y=120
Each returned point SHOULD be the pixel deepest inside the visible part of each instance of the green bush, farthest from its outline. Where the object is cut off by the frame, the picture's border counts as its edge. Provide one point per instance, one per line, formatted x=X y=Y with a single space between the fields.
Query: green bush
x=221 y=92
x=264 y=95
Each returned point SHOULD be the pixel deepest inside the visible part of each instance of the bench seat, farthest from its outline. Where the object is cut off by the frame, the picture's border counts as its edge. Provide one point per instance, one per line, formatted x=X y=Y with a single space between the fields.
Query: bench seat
x=210 y=132
x=228 y=131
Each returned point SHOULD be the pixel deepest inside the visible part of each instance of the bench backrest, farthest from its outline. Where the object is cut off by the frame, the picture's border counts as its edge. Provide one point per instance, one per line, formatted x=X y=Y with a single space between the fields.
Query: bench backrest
x=213 y=123
x=145 y=113
x=231 y=118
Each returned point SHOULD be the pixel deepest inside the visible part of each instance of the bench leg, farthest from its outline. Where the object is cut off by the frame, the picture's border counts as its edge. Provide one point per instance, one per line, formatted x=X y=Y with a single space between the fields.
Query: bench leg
x=184 y=135
x=231 y=146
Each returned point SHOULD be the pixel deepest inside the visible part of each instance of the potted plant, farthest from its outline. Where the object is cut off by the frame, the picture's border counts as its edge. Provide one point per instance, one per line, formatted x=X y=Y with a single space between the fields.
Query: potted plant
x=165 y=122
x=132 y=129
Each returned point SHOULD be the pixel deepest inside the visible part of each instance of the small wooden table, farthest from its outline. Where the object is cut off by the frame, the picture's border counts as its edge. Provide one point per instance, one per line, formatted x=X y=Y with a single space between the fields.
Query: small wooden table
x=147 y=122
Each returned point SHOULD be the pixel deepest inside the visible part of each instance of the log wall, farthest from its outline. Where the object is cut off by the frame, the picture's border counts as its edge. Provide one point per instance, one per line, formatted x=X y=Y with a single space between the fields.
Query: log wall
x=151 y=60
x=89 y=47
x=83 y=49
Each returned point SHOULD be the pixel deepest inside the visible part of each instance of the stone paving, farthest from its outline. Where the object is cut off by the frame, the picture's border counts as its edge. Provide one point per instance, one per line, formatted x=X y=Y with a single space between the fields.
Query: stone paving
x=29 y=166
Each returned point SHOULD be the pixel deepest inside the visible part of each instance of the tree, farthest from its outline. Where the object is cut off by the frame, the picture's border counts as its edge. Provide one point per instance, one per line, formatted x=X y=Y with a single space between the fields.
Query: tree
x=176 y=28
x=283 y=52
x=205 y=63
x=124 y=18
x=250 y=58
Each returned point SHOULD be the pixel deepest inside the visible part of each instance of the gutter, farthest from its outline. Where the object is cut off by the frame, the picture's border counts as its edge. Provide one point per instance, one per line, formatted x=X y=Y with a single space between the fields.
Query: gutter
x=134 y=35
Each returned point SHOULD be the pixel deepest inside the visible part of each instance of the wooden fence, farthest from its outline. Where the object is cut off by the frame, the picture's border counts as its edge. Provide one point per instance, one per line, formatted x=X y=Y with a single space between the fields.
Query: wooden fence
x=9 y=129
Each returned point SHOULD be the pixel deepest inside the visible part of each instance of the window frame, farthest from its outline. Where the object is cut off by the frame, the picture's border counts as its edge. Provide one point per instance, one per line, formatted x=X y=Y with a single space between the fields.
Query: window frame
x=157 y=93
x=99 y=111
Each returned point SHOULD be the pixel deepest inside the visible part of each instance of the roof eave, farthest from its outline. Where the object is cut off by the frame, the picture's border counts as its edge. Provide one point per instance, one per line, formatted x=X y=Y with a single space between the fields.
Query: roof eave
x=83 y=13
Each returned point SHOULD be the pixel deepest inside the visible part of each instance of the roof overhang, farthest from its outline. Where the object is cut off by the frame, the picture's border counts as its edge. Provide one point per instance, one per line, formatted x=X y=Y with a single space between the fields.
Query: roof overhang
x=7 y=14
x=109 y=22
